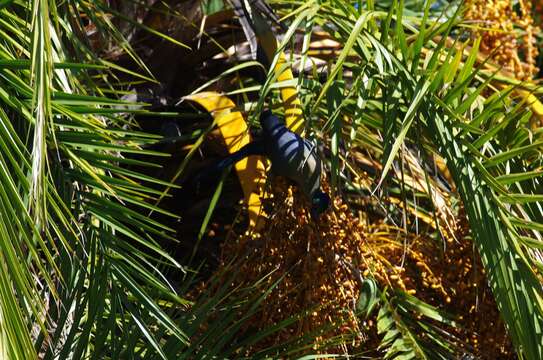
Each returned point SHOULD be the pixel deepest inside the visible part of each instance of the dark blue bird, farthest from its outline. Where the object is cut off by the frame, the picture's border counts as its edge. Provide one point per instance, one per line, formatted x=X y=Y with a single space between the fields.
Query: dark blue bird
x=291 y=156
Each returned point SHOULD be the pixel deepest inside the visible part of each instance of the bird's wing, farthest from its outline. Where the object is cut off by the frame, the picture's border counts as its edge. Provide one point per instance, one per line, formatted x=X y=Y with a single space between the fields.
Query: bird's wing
x=252 y=148
x=311 y=169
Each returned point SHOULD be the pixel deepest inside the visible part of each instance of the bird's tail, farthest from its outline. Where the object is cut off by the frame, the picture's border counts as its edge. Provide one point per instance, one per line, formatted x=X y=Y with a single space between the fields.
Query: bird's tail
x=248 y=9
x=253 y=148
x=254 y=16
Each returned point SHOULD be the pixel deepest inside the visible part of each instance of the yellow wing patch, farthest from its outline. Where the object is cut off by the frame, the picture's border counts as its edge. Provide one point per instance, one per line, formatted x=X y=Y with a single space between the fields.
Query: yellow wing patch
x=233 y=128
x=289 y=95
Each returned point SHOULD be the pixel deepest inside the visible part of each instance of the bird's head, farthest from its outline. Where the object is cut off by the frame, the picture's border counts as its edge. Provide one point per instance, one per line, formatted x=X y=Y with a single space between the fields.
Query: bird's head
x=319 y=203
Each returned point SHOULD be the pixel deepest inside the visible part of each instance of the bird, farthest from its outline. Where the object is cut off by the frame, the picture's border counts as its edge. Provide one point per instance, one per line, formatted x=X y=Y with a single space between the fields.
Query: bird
x=255 y=17
x=252 y=15
x=291 y=156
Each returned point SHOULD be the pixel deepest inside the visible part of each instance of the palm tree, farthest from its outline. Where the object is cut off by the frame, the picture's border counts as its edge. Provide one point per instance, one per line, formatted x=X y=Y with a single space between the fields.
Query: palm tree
x=88 y=243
